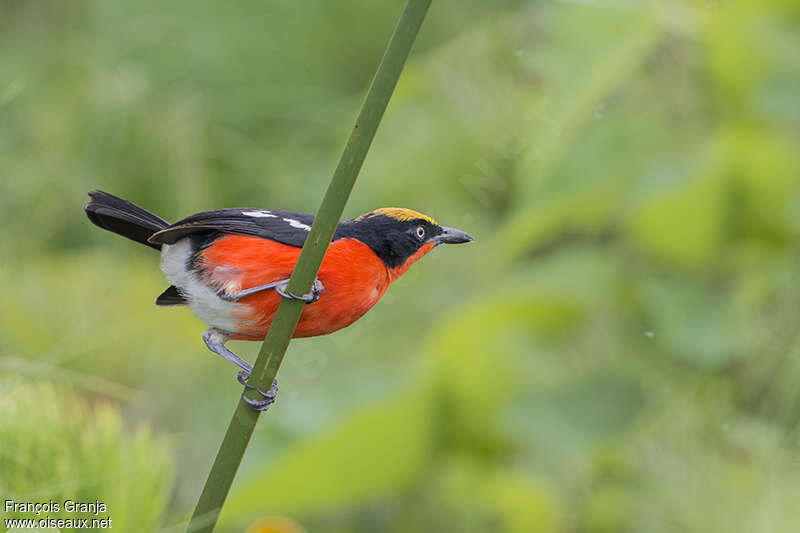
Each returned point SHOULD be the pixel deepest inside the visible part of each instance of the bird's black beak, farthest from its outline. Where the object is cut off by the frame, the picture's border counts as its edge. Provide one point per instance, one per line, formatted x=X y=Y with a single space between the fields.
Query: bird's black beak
x=451 y=236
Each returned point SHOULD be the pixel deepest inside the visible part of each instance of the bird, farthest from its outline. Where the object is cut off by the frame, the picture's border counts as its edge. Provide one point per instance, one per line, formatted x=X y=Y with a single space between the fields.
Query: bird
x=232 y=266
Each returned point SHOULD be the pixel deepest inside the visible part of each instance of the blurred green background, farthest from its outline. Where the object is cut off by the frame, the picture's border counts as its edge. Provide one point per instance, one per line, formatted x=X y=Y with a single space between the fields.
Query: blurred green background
x=617 y=351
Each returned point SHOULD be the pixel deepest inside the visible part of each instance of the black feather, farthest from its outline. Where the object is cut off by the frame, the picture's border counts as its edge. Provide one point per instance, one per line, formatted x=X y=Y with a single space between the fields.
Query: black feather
x=124 y=218
x=171 y=296
x=273 y=225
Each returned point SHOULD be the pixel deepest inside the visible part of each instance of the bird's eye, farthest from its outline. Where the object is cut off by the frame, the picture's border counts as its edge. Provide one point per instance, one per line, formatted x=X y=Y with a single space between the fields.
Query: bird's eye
x=420 y=232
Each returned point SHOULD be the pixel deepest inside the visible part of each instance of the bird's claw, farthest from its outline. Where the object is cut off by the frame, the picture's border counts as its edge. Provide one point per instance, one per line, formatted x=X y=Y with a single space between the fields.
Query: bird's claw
x=316 y=289
x=269 y=396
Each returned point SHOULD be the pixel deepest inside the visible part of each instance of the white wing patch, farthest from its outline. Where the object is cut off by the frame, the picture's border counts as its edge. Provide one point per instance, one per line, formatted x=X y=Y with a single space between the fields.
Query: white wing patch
x=266 y=214
x=297 y=224
x=259 y=214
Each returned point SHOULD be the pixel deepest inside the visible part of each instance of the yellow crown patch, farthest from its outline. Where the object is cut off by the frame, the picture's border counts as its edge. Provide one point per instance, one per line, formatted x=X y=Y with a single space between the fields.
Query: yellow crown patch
x=399 y=213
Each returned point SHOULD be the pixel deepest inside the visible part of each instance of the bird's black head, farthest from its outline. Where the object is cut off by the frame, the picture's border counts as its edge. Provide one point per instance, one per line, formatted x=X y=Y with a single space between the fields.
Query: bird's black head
x=396 y=234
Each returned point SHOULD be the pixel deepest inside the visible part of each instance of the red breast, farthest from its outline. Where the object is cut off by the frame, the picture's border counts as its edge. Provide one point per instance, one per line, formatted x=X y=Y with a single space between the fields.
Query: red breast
x=354 y=279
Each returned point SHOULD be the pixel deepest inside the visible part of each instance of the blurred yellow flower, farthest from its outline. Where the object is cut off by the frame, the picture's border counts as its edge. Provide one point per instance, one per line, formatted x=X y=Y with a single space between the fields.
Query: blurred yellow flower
x=276 y=524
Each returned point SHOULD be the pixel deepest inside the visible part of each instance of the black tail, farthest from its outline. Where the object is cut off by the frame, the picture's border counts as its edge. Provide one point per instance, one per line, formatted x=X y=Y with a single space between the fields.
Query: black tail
x=123 y=218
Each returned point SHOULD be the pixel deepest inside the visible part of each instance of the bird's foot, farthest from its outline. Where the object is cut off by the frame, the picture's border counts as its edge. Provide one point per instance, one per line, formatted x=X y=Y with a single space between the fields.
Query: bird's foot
x=215 y=339
x=269 y=396
x=316 y=289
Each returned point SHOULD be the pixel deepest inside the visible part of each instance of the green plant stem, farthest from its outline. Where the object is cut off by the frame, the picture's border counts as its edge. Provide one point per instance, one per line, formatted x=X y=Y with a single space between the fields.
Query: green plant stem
x=283 y=325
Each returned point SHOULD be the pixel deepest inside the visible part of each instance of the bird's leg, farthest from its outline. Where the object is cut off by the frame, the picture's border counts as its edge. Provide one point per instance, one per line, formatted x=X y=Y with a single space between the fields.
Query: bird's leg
x=232 y=297
x=215 y=339
x=280 y=288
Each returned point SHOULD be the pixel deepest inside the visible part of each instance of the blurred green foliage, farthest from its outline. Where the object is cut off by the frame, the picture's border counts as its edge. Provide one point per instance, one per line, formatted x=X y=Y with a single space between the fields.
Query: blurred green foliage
x=58 y=447
x=617 y=351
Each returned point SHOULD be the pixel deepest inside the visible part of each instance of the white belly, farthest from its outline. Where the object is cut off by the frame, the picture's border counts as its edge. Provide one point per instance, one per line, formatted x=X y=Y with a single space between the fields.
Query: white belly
x=202 y=299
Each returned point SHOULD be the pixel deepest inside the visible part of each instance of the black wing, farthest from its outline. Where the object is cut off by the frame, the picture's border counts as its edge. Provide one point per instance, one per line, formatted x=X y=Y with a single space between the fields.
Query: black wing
x=283 y=226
